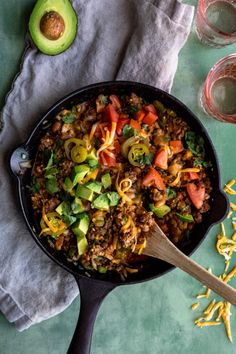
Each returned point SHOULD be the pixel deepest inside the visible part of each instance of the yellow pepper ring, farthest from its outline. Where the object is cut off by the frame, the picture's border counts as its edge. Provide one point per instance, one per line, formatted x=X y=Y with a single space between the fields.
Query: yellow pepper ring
x=53 y=221
x=136 y=151
x=78 y=154
x=46 y=230
x=69 y=144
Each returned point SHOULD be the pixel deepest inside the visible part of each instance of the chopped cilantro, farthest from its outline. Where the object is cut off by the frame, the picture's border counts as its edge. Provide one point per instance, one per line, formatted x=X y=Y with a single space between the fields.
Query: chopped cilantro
x=50 y=161
x=69 y=219
x=66 y=213
x=113 y=198
x=145 y=159
x=127 y=131
x=69 y=118
x=50 y=172
x=35 y=187
x=195 y=143
x=104 y=100
x=51 y=185
x=199 y=162
x=170 y=193
x=132 y=110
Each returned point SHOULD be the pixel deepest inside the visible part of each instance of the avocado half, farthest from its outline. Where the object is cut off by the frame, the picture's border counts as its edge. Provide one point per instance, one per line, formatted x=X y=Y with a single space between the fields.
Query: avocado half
x=53 y=26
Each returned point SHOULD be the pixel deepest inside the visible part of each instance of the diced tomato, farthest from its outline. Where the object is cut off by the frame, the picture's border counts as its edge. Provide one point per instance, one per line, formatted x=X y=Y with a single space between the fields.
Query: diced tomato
x=135 y=125
x=193 y=175
x=107 y=160
x=110 y=113
x=176 y=146
x=196 y=194
x=154 y=177
x=150 y=118
x=150 y=108
x=161 y=159
x=115 y=101
x=140 y=115
x=120 y=125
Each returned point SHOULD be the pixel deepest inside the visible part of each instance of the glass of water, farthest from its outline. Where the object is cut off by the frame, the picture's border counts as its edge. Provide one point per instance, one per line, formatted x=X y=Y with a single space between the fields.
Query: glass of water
x=218 y=94
x=215 y=22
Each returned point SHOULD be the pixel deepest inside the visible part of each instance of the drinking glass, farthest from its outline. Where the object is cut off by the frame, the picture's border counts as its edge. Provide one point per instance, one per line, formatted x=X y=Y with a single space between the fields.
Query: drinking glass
x=215 y=22
x=218 y=94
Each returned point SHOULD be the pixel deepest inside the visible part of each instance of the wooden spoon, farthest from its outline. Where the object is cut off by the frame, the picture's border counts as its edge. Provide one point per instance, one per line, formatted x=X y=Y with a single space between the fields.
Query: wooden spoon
x=159 y=246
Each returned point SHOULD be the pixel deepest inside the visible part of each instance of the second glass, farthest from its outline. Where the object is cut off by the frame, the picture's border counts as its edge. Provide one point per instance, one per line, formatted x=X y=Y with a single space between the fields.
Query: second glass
x=215 y=22
x=218 y=94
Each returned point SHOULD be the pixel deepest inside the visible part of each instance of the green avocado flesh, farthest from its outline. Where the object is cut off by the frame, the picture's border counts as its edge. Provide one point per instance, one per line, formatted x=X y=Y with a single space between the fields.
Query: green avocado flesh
x=64 y=31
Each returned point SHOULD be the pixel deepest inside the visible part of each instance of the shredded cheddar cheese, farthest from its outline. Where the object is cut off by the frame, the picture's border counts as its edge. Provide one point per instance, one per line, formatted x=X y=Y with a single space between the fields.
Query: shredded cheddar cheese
x=226 y=266
x=226 y=319
x=109 y=138
x=222 y=228
x=195 y=306
x=206 y=324
x=229 y=190
x=176 y=180
x=92 y=132
x=190 y=170
x=123 y=186
x=209 y=307
x=206 y=295
x=232 y=206
x=234 y=236
x=230 y=183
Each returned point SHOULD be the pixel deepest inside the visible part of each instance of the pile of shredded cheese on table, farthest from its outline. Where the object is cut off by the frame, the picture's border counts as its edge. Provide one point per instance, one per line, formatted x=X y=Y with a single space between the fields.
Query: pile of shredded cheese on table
x=218 y=312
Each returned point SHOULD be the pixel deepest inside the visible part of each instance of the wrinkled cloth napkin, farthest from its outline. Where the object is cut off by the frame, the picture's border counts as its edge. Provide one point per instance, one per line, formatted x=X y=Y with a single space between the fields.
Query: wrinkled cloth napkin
x=117 y=39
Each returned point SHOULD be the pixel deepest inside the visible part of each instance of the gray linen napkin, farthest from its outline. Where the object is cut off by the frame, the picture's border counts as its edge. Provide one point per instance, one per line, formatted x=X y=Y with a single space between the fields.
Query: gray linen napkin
x=117 y=39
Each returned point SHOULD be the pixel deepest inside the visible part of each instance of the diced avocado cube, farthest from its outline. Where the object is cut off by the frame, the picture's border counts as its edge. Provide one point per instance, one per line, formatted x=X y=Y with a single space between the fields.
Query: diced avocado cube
x=92 y=159
x=161 y=211
x=63 y=208
x=77 y=206
x=82 y=244
x=80 y=230
x=94 y=186
x=79 y=172
x=106 y=180
x=68 y=186
x=113 y=198
x=84 y=193
x=101 y=202
x=82 y=225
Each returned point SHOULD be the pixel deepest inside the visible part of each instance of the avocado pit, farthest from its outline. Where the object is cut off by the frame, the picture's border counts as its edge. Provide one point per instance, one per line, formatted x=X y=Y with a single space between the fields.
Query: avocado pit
x=52 y=25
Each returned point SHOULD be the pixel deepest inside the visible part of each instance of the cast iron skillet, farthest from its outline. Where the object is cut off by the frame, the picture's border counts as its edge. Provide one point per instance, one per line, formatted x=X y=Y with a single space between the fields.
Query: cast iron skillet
x=94 y=287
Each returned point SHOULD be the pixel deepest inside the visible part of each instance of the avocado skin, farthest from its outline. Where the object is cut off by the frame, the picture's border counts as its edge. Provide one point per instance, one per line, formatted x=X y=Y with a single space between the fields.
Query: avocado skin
x=67 y=12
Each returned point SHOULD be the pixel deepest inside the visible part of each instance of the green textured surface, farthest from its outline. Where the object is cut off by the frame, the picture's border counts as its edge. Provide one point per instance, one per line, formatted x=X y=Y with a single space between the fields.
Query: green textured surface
x=153 y=317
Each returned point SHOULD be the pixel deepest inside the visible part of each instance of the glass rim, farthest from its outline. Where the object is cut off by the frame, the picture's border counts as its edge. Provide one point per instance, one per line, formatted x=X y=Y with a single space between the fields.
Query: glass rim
x=207 y=87
x=201 y=6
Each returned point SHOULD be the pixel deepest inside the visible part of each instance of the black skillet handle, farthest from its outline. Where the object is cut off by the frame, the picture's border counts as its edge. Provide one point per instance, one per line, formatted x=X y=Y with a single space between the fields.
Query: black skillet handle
x=92 y=294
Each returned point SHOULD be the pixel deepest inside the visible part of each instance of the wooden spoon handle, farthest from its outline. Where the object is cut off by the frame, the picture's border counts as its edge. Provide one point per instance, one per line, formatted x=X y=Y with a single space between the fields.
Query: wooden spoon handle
x=164 y=249
x=208 y=279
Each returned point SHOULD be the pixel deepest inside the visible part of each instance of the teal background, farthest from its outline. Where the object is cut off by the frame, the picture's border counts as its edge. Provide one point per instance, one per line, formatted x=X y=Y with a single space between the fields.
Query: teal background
x=153 y=317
